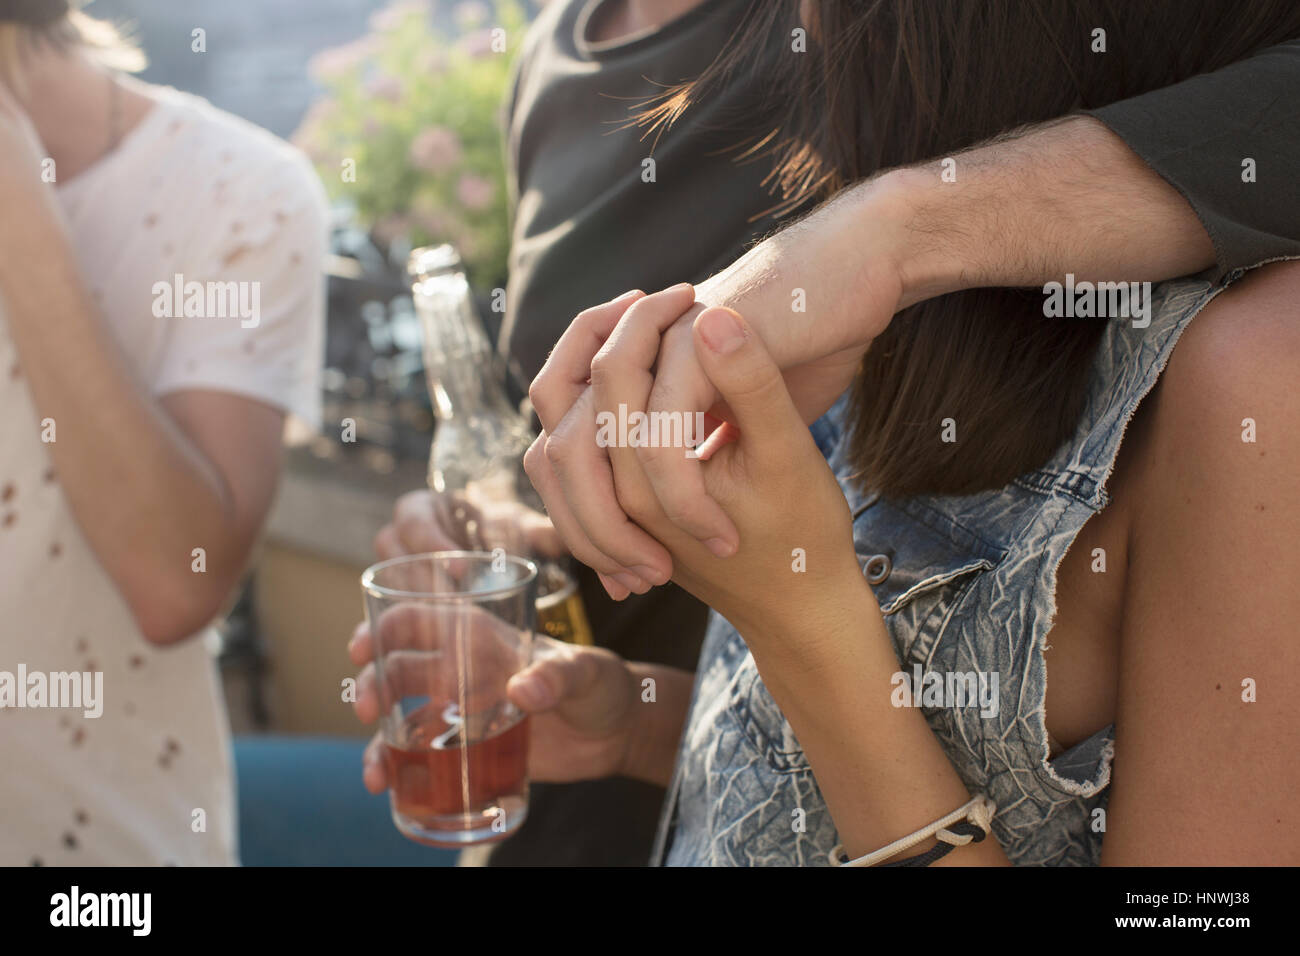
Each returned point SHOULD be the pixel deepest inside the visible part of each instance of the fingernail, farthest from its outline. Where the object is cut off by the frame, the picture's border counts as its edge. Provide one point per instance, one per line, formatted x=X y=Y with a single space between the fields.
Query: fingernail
x=679 y=287
x=615 y=590
x=719 y=547
x=628 y=294
x=630 y=581
x=720 y=331
x=647 y=573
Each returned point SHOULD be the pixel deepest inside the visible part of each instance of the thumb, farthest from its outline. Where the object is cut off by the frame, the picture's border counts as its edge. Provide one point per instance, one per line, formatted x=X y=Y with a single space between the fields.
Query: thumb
x=737 y=362
x=548 y=682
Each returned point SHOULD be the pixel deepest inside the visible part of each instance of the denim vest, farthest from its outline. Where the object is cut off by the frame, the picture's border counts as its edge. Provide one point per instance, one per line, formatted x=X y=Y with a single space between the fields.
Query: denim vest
x=966 y=584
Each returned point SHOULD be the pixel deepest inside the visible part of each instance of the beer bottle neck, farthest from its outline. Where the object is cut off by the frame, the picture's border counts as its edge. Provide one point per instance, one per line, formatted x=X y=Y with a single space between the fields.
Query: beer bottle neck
x=464 y=376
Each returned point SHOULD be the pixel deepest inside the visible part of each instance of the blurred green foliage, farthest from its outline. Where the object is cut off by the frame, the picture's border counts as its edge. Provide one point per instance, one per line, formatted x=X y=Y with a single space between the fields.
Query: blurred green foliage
x=416 y=107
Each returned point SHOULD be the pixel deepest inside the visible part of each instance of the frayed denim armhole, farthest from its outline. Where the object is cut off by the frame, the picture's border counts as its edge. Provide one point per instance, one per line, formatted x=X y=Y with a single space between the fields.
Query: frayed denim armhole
x=1086 y=765
x=1084 y=770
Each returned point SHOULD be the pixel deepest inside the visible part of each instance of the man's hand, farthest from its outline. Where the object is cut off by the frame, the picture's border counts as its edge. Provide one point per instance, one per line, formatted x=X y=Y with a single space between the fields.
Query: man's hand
x=426 y=521
x=583 y=702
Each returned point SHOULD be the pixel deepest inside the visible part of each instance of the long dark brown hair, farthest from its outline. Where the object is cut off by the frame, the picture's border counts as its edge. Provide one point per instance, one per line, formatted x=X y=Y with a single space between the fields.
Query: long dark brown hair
x=893 y=82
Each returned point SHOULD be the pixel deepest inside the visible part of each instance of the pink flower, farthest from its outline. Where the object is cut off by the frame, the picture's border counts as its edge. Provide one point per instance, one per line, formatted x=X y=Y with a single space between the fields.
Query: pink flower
x=435 y=150
x=474 y=192
x=337 y=61
x=385 y=87
x=477 y=44
x=431 y=62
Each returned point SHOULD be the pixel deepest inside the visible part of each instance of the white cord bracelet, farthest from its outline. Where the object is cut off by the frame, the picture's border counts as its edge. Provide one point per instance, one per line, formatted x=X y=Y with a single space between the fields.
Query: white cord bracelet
x=978 y=811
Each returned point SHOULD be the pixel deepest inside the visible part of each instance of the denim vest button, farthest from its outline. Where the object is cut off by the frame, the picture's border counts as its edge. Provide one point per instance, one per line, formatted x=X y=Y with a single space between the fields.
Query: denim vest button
x=877 y=568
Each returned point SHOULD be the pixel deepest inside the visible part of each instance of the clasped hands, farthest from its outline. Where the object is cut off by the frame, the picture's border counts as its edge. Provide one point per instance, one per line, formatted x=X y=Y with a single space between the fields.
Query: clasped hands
x=754 y=523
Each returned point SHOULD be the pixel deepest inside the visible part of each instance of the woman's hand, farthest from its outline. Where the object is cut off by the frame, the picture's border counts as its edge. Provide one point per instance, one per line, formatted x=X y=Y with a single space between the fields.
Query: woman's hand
x=583 y=702
x=763 y=469
x=817 y=292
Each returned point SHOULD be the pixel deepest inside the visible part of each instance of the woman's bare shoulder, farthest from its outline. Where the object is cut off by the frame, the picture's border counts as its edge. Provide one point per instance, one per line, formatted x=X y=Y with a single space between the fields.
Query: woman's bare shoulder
x=1229 y=389
x=1244 y=345
x=1210 y=603
x=1229 y=395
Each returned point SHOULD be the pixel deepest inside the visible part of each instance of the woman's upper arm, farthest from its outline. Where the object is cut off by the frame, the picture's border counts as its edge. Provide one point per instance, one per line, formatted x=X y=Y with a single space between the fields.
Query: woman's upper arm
x=1208 y=721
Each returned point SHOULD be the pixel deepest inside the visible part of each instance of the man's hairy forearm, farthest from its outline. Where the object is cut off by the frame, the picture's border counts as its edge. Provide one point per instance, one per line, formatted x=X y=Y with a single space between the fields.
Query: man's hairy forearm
x=1021 y=210
x=1028 y=207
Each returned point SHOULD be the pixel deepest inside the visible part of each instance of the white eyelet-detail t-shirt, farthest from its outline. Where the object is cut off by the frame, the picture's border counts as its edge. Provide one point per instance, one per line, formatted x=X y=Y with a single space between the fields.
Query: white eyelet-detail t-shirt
x=197 y=193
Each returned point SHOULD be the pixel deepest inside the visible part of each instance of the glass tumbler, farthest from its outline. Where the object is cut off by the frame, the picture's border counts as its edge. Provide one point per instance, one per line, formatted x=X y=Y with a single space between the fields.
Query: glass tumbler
x=449 y=630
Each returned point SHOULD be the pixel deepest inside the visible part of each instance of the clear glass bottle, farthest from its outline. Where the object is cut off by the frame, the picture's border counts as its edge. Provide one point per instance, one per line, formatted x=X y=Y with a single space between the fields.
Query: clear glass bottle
x=483 y=498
